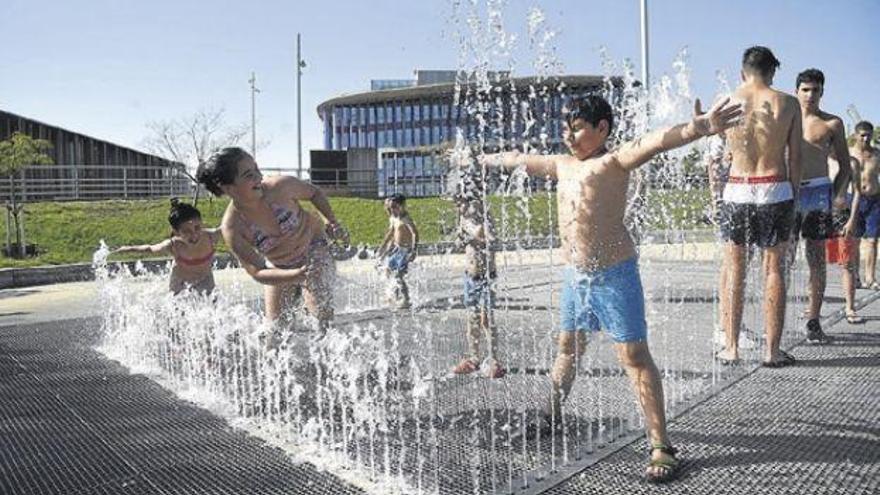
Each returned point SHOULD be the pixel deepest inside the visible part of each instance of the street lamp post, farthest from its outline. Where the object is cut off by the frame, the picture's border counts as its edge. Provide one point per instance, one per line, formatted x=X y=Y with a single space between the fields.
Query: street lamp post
x=644 y=17
x=254 y=91
x=300 y=64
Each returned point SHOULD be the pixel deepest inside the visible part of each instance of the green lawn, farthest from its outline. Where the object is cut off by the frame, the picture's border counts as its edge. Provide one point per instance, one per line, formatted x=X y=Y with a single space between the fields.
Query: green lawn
x=69 y=232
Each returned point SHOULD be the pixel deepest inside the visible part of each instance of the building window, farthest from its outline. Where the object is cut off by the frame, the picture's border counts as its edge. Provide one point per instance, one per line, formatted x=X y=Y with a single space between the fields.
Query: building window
x=408 y=137
x=407 y=112
x=381 y=118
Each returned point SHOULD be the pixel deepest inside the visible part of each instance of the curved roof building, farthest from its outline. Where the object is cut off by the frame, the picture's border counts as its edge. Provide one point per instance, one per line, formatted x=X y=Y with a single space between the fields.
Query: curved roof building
x=410 y=123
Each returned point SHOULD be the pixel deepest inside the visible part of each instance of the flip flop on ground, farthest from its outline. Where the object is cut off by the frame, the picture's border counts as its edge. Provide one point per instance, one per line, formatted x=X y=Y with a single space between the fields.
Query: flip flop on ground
x=724 y=361
x=664 y=469
x=854 y=319
x=784 y=359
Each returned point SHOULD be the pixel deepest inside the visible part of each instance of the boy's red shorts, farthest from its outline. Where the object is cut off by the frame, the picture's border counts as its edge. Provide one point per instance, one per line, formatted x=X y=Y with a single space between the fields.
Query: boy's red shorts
x=840 y=250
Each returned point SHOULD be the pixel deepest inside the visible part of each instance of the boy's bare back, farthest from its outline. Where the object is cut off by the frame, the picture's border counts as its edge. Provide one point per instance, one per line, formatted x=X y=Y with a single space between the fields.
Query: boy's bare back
x=758 y=144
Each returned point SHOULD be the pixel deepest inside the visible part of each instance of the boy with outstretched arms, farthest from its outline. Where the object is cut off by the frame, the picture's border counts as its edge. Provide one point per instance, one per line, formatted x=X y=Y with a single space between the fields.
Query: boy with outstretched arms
x=602 y=287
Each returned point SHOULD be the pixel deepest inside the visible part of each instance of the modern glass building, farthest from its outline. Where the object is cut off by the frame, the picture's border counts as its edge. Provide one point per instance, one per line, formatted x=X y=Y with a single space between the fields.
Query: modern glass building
x=412 y=123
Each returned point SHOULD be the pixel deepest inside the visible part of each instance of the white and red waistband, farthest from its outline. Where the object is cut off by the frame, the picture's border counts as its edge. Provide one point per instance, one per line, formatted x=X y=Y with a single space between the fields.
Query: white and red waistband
x=760 y=190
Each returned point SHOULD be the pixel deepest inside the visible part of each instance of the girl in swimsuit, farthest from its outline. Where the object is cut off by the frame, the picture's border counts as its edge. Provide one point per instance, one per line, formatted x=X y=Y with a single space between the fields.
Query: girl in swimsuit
x=278 y=243
x=192 y=246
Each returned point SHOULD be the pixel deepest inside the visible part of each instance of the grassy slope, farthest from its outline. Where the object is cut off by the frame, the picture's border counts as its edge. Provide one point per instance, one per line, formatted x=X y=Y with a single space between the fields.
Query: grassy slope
x=69 y=232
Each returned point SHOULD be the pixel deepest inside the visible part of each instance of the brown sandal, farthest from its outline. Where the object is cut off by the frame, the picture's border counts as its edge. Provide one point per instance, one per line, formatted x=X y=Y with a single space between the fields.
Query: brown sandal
x=669 y=467
x=466 y=367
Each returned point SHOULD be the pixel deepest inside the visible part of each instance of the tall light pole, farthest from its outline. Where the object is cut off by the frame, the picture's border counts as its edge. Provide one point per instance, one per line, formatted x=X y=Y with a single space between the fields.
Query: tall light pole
x=300 y=64
x=644 y=16
x=254 y=91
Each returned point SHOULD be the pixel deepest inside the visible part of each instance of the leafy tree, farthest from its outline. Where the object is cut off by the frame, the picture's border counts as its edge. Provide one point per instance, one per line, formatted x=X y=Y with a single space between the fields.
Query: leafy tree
x=17 y=153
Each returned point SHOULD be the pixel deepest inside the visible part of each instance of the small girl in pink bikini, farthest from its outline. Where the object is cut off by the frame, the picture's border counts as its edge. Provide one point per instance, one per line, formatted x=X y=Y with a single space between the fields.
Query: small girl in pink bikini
x=192 y=246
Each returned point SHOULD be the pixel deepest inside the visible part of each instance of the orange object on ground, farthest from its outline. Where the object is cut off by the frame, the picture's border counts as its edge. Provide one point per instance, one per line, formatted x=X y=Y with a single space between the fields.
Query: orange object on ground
x=840 y=250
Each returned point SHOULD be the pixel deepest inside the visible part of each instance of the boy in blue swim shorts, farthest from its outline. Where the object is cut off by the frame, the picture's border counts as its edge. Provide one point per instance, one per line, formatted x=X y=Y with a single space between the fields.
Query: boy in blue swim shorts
x=476 y=234
x=867 y=158
x=398 y=249
x=817 y=220
x=601 y=285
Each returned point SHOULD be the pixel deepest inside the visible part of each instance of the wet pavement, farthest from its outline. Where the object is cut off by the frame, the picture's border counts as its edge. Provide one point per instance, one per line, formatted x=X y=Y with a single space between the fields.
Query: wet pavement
x=74 y=422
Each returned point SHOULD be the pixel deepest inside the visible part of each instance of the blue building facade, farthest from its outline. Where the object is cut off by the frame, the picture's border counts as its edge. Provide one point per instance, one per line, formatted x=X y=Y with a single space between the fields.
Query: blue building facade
x=413 y=126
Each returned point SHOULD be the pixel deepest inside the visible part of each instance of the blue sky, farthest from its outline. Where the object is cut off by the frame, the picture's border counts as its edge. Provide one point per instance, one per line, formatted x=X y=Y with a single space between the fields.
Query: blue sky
x=107 y=67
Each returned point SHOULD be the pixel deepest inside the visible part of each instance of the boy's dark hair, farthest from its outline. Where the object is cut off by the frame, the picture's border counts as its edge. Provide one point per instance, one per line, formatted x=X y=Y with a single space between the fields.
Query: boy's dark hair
x=221 y=168
x=865 y=126
x=810 y=76
x=592 y=109
x=398 y=199
x=181 y=213
x=761 y=60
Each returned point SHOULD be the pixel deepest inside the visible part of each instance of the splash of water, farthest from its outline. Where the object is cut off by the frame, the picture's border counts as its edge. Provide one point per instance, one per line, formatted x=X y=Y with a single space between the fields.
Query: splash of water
x=373 y=401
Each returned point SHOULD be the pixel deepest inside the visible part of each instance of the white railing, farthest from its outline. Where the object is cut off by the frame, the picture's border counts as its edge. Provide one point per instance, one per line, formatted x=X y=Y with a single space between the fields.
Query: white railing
x=96 y=182
x=92 y=182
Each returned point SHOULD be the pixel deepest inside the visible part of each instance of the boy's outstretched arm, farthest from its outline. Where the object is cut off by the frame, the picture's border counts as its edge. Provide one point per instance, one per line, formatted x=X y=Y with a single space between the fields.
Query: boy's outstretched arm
x=720 y=117
x=540 y=165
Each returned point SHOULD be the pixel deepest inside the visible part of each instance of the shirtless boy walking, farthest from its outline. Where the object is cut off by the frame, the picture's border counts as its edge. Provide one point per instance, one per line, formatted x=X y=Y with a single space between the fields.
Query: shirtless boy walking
x=400 y=243
x=602 y=287
x=476 y=234
x=867 y=158
x=823 y=134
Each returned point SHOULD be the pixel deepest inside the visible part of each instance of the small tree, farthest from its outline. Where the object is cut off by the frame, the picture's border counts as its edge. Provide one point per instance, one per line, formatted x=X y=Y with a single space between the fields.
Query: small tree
x=17 y=153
